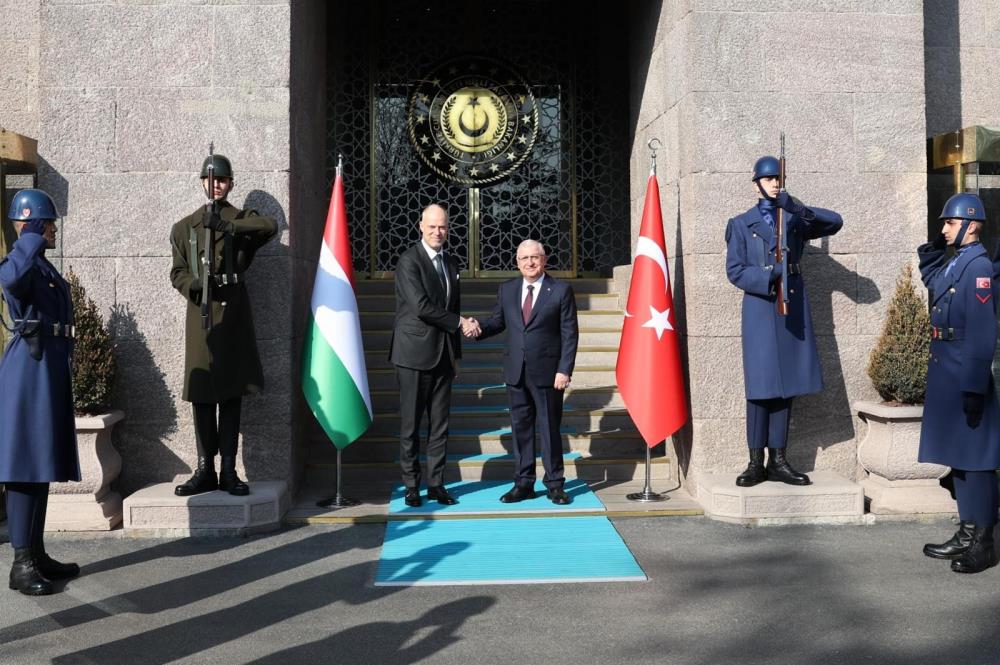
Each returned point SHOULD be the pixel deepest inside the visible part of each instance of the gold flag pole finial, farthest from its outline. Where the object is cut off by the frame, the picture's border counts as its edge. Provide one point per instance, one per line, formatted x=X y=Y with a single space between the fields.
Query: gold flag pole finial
x=653 y=144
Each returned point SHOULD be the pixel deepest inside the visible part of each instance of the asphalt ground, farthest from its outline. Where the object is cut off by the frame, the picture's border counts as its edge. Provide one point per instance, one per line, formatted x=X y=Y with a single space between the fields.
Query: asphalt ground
x=717 y=593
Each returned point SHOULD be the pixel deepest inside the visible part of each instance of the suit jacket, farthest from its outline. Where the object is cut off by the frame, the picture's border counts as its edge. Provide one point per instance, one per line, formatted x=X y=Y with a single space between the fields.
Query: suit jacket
x=547 y=343
x=427 y=322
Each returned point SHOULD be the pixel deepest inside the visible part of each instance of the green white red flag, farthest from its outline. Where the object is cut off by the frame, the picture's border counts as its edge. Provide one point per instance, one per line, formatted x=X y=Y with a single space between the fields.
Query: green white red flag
x=334 y=377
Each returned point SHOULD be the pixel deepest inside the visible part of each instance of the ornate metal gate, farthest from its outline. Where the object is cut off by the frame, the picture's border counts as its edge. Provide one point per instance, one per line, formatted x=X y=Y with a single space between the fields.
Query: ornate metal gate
x=570 y=190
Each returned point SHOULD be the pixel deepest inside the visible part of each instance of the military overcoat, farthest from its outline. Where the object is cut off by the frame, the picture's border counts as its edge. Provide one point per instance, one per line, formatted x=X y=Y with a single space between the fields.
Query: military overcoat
x=37 y=430
x=779 y=352
x=963 y=310
x=223 y=362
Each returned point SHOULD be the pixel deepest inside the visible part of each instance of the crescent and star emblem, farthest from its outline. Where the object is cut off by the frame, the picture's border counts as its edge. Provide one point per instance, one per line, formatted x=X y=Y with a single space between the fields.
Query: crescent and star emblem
x=659 y=321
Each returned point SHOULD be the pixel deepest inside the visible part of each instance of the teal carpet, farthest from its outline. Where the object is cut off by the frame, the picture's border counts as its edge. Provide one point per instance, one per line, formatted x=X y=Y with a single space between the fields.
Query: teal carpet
x=540 y=550
x=483 y=497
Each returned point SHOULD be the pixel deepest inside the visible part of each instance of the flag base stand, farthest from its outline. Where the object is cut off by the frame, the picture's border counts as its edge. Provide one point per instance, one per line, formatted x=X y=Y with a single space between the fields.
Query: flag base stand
x=339 y=500
x=647 y=495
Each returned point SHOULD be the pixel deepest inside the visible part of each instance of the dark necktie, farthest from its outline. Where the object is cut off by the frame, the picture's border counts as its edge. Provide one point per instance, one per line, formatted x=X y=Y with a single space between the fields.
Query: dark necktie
x=439 y=260
x=526 y=305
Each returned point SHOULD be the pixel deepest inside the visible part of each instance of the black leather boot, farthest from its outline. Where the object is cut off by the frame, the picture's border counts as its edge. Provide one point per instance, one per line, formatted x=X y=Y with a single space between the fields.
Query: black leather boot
x=24 y=574
x=203 y=480
x=780 y=470
x=229 y=481
x=755 y=473
x=981 y=553
x=955 y=546
x=49 y=567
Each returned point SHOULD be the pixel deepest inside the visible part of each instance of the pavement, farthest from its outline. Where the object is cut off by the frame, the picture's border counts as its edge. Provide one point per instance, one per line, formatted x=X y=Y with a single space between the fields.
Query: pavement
x=717 y=593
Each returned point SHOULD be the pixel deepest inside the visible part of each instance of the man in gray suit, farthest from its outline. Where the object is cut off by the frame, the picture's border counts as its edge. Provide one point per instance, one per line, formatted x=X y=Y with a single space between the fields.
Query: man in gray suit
x=425 y=348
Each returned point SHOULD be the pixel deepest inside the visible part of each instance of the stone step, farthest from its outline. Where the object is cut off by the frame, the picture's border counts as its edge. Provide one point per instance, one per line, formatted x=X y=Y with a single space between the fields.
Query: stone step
x=495 y=394
x=581 y=419
x=155 y=511
x=602 y=320
x=492 y=353
x=386 y=302
x=384 y=378
x=484 y=286
x=377 y=341
x=385 y=447
x=830 y=497
x=496 y=467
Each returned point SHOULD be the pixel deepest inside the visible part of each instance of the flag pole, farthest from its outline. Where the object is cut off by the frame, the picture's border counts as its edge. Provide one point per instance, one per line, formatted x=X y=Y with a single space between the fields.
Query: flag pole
x=338 y=500
x=647 y=495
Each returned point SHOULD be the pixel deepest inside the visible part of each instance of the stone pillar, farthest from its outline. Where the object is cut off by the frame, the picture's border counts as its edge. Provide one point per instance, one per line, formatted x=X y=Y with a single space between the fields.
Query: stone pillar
x=132 y=94
x=719 y=84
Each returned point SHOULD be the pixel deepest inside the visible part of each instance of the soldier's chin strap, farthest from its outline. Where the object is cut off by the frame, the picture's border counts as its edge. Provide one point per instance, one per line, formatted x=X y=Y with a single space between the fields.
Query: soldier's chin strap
x=961 y=233
x=762 y=192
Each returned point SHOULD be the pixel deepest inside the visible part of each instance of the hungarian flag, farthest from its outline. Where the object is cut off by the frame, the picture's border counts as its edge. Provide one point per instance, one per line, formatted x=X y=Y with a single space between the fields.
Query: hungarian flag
x=334 y=377
x=649 y=360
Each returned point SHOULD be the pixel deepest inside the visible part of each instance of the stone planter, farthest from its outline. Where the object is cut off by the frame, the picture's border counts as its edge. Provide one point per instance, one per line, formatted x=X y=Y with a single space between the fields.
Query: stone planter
x=89 y=505
x=896 y=482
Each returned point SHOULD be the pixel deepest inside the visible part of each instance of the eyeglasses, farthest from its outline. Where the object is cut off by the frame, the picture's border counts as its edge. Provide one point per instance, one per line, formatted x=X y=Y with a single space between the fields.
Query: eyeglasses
x=532 y=257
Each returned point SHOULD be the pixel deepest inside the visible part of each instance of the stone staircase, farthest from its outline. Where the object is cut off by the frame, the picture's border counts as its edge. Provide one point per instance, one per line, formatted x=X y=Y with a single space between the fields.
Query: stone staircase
x=600 y=442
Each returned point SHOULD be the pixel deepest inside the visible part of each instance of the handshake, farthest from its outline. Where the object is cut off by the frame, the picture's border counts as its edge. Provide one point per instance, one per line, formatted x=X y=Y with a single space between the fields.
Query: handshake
x=470 y=328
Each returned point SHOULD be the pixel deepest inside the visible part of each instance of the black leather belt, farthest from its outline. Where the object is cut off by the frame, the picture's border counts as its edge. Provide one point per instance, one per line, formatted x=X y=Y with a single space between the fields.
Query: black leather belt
x=947 y=334
x=29 y=326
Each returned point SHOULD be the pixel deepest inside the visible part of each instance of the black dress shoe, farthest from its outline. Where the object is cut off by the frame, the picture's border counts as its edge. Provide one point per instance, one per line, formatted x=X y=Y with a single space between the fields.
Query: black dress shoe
x=518 y=494
x=955 y=546
x=559 y=497
x=412 y=497
x=25 y=576
x=440 y=494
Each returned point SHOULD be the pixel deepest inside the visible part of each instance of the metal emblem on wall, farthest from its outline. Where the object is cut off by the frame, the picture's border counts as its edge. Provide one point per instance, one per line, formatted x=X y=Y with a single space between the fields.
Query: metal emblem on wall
x=472 y=120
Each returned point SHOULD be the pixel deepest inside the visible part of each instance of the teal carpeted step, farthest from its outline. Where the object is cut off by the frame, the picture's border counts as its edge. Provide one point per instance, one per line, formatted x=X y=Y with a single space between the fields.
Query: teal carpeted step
x=482 y=497
x=505 y=551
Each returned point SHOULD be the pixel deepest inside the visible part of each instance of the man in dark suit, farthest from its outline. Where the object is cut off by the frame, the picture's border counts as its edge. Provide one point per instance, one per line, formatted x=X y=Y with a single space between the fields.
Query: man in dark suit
x=539 y=314
x=425 y=348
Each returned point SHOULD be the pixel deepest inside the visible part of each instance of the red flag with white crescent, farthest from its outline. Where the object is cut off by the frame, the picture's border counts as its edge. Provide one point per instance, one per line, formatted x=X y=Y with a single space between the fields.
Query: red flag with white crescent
x=649 y=360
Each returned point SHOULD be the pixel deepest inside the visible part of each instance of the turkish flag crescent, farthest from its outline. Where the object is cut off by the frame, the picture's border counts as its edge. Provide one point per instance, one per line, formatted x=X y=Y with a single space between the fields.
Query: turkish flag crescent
x=649 y=360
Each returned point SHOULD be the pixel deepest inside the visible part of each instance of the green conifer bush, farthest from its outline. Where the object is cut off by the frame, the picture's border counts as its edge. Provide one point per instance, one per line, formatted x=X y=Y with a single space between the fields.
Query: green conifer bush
x=898 y=363
x=93 y=354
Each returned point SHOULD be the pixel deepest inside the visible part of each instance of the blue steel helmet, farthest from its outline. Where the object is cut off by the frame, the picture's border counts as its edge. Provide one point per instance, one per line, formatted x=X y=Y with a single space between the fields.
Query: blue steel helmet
x=766 y=167
x=29 y=204
x=964 y=206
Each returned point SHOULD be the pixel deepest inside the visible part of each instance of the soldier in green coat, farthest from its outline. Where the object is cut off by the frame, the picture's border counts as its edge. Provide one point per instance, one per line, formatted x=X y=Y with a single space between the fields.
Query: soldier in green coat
x=221 y=363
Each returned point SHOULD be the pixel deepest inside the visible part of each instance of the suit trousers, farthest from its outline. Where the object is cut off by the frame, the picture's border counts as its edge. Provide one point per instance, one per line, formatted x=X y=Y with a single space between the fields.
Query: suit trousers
x=976 y=494
x=420 y=392
x=767 y=422
x=530 y=403
x=26 y=507
x=217 y=435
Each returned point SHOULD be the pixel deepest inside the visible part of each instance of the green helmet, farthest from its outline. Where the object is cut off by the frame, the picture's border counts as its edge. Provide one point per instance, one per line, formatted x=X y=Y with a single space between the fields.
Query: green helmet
x=221 y=166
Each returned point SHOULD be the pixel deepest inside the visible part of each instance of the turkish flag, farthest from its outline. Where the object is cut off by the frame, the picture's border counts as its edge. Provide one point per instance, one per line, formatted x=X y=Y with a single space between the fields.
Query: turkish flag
x=649 y=359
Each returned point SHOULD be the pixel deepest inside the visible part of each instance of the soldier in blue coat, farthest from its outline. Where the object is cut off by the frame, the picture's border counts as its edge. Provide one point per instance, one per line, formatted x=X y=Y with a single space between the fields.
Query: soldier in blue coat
x=961 y=423
x=780 y=359
x=38 y=437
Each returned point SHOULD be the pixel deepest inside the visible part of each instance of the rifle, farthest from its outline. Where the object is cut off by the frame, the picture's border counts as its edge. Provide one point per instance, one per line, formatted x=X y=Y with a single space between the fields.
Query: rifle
x=207 y=255
x=780 y=239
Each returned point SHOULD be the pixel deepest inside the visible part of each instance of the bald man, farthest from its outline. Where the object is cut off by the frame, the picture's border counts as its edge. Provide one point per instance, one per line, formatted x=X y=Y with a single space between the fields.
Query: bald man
x=425 y=348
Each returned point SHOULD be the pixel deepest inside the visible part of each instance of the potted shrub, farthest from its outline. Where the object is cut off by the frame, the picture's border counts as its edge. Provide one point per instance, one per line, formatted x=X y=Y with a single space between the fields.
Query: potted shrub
x=897 y=366
x=90 y=504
